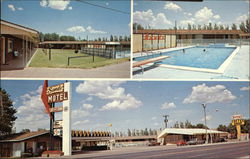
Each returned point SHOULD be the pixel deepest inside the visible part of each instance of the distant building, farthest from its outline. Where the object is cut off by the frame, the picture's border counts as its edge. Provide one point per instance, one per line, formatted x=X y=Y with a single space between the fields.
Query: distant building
x=15 y=145
x=17 y=43
x=173 y=135
x=84 y=44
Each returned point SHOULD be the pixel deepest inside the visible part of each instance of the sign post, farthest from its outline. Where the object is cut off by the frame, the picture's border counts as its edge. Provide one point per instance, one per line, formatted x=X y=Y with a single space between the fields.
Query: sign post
x=50 y=96
x=67 y=146
x=238 y=121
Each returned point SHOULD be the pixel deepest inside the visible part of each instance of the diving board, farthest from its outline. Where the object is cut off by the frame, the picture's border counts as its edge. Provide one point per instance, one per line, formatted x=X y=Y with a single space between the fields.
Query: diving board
x=151 y=60
x=144 y=62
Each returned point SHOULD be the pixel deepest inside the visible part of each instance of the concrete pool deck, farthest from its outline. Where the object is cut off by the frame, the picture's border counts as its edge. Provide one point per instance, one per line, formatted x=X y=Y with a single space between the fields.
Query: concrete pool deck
x=238 y=69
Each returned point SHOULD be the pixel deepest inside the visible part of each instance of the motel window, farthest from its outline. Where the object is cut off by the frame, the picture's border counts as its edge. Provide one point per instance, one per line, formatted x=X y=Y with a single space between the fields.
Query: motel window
x=10 y=46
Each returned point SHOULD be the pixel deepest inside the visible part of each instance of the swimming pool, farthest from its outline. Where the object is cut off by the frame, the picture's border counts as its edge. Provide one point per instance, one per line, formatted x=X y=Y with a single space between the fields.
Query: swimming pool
x=195 y=57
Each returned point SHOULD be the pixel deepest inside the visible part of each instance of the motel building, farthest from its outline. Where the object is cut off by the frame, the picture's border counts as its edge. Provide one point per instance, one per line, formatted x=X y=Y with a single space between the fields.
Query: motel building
x=173 y=135
x=155 y=39
x=18 y=44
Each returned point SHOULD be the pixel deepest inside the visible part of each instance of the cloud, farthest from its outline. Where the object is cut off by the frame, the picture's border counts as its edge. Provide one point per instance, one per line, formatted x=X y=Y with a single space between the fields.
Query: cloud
x=30 y=114
x=153 y=118
x=186 y=22
x=216 y=17
x=109 y=90
x=58 y=4
x=205 y=15
x=208 y=117
x=11 y=7
x=88 y=106
x=93 y=31
x=70 y=8
x=202 y=16
x=80 y=122
x=245 y=88
x=89 y=99
x=205 y=94
x=76 y=29
x=20 y=8
x=241 y=18
x=168 y=105
x=172 y=6
x=186 y=13
x=146 y=18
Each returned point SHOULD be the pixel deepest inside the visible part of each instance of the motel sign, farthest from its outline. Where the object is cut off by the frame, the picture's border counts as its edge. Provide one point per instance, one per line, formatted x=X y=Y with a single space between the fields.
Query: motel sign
x=56 y=94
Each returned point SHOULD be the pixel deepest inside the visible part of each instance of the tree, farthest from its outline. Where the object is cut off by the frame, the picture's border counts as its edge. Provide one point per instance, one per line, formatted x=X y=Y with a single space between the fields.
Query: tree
x=120 y=38
x=200 y=125
x=181 y=125
x=242 y=27
x=41 y=36
x=7 y=113
x=189 y=26
x=246 y=128
x=137 y=26
x=234 y=27
x=216 y=27
x=188 y=124
x=221 y=27
x=111 y=38
x=210 y=26
x=25 y=130
x=248 y=25
x=222 y=127
x=199 y=27
x=176 y=125
x=146 y=132
x=129 y=132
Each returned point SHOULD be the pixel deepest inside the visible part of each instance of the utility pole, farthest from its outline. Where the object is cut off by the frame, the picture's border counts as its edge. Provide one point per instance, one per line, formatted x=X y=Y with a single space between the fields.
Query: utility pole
x=166 y=120
x=205 y=115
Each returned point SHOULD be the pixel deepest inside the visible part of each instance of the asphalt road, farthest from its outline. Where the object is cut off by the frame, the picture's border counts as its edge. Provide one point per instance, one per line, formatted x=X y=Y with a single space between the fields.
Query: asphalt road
x=216 y=151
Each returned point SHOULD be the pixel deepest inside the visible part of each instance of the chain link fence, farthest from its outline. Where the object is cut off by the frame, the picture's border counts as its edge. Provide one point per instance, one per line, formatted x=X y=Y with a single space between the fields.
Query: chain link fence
x=214 y=42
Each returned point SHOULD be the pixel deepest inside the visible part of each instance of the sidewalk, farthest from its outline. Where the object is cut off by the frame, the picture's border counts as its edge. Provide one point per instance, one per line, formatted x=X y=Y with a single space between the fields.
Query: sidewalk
x=112 y=71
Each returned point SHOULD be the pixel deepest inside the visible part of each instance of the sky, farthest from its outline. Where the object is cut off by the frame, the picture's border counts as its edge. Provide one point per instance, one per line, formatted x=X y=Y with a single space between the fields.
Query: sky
x=160 y=15
x=132 y=104
x=70 y=17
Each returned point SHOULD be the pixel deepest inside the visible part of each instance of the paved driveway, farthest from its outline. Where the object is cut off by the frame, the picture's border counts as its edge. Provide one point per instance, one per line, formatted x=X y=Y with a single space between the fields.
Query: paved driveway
x=112 y=71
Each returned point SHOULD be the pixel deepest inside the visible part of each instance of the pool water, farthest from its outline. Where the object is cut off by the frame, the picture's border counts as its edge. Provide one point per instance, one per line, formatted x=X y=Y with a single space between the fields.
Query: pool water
x=199 y=57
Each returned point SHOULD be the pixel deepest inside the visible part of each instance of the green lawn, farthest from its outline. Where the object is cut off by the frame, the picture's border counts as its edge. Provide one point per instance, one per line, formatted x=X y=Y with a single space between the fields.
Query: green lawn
x=59 y=59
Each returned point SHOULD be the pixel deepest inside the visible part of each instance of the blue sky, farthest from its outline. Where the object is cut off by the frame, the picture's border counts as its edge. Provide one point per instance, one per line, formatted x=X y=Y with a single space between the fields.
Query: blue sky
x=132 y=104
x=161 y=15
x=50 y=16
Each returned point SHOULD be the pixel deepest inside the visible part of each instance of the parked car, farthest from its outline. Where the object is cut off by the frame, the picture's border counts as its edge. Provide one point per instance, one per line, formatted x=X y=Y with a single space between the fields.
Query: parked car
x=181 y=143
x=221 y=140
x=154 y=143
x=195 y=141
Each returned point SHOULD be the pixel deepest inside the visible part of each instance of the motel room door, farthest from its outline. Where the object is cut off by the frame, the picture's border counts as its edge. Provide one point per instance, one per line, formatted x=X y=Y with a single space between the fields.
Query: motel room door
x=2 y=49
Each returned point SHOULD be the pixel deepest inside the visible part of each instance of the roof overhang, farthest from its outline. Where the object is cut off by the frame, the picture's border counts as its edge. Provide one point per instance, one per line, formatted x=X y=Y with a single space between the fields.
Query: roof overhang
x=180 y=131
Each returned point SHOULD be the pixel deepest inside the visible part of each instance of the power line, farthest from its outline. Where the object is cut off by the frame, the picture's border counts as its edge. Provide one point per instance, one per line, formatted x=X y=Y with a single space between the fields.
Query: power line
x=112 y=9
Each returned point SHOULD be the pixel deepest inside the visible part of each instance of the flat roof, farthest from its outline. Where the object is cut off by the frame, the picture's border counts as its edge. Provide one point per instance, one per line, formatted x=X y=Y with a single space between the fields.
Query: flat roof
x=87 y=42
x=190 y=131
x=180 y=32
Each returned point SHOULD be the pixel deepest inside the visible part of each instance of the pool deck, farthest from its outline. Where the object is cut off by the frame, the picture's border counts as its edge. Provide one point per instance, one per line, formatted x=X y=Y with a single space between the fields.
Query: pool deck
x=238 y=69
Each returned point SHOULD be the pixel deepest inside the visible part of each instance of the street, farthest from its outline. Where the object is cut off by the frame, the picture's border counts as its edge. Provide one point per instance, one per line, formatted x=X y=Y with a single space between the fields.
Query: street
x=220 y=151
